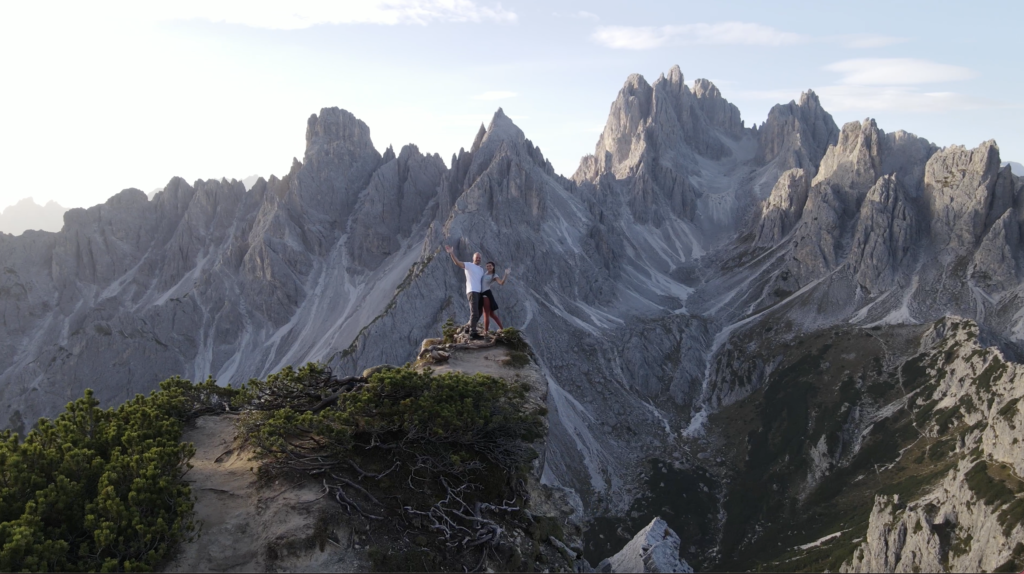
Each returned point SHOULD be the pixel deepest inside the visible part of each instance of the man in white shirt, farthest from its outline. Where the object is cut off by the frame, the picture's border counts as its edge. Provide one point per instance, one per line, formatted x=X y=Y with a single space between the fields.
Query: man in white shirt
x=474 y=279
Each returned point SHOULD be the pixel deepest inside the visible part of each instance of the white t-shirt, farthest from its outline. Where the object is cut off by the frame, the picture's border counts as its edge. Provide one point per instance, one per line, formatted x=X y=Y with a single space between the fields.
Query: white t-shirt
x=487 y=280
x=474 y=277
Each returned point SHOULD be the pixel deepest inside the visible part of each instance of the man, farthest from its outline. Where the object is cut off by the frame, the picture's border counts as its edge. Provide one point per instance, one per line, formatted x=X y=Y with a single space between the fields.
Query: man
x=474 y=278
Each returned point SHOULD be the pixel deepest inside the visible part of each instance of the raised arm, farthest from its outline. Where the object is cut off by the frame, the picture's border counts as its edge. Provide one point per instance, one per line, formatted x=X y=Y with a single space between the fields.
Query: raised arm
x=503 y=279
x=449 y=249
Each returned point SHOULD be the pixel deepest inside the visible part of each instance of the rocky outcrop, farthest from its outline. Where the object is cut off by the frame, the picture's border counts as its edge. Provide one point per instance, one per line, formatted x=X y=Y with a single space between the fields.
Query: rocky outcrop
x=719 y=113
x=972 y=519
x=854 y=164
x=961 y=195
x=884 y=236
x=652 y=145
x=864 y=153
x=784 y=207
x=337 y=165
x=291 y=523
x=996 y=264
x=394 y=205
x=654 y=549
x=796 y=135
x=816 y=248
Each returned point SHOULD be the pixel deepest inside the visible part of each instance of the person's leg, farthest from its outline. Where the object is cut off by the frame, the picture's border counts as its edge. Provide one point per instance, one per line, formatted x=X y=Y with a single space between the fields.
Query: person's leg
x=487 y=312
x=497 y=321
x=474 y=311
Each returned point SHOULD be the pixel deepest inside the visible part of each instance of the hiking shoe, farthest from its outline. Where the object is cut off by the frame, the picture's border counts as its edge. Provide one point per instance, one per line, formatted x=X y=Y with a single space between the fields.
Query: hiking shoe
x=474 y=335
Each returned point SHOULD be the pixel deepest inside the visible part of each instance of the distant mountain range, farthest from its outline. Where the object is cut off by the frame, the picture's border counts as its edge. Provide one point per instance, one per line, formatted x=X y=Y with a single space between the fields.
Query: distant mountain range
x=27 y=214
x=1018 y=169
x=763 y=334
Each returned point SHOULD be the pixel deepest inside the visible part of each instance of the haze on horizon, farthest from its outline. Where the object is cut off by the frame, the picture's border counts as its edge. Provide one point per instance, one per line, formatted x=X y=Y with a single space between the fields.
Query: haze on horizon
x=113 y=95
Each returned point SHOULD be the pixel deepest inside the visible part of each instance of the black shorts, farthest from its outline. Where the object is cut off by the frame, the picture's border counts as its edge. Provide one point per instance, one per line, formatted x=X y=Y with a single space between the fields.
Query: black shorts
x=487 y=294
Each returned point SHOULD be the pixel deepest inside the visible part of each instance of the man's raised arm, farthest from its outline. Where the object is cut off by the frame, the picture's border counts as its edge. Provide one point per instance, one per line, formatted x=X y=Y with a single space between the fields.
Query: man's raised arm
x=448 y=248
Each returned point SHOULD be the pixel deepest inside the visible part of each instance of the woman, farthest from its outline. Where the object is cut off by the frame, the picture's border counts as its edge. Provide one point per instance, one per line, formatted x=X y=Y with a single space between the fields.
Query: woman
x=490 y=306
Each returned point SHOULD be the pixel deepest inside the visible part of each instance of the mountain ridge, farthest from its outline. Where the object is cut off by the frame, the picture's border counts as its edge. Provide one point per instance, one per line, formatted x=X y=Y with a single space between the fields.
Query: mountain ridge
x=636 y=280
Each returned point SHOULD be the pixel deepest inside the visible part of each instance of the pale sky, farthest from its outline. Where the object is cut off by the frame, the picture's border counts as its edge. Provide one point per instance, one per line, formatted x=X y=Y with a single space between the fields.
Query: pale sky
x=101 y=96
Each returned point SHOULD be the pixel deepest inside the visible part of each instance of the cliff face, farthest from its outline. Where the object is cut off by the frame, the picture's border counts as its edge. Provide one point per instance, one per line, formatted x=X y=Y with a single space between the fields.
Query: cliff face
x=664 y=286
x=970 y=520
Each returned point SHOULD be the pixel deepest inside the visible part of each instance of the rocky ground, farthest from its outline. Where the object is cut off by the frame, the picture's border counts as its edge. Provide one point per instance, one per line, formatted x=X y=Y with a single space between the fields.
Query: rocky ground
x=289 y=525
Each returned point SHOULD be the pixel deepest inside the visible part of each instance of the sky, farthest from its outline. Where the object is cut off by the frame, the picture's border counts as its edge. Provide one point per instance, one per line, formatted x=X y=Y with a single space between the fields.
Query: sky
x=101 y=96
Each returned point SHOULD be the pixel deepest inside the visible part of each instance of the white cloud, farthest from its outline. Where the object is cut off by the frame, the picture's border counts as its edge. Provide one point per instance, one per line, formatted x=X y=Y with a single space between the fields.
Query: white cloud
x=897 y=72
x=897 y=98
x=780 y=95
x=581 y=15
x=647 y=37
x=870 y=40
x=298 y=14
x=496 y=95
x=890 y=84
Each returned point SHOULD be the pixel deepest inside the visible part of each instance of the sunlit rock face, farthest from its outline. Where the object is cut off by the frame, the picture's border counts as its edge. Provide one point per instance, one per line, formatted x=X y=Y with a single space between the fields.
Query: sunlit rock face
x=664 y=286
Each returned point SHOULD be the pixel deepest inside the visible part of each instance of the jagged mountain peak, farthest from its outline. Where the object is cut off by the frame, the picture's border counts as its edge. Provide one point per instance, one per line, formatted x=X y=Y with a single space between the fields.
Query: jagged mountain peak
x=855 y=162
x=796 y=135
x=704 y=88
x=501 y=134
x=479 y=139
x=502 y=127
x=335 y=128
x=809 y=99
x=667 y=116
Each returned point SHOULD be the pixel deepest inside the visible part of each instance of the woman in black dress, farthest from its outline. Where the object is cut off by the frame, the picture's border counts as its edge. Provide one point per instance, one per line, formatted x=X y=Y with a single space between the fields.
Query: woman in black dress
x=487 y=302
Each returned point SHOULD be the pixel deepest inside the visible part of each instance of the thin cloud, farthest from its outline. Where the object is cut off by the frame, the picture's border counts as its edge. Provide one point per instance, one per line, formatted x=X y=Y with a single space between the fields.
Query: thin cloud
x=737 y=33
x=496 y=95
x=734 y=33
x=780 y=95
x=897 y=98
x=300 y=14
x=870 y=40
x=897 y=72
x=581 y=15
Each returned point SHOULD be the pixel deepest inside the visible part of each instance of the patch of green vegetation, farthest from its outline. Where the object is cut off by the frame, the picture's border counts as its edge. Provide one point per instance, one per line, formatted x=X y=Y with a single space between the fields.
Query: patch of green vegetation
x=827 y=557
x=924 y=413
x=449 y=328
x=946 y=418
x=513 y=339
x=913 y=485
x=1011 y=516
x=915 y=372
x=1015 y=562
x=461 y=441
x=940 y=450
x=992 y=372
x=950 y=354
x=516 y=360
x=772 y=504
x=98 y=489
x=962 y=546
x=1009 y=410
x=966 y=403
x=992 y=491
